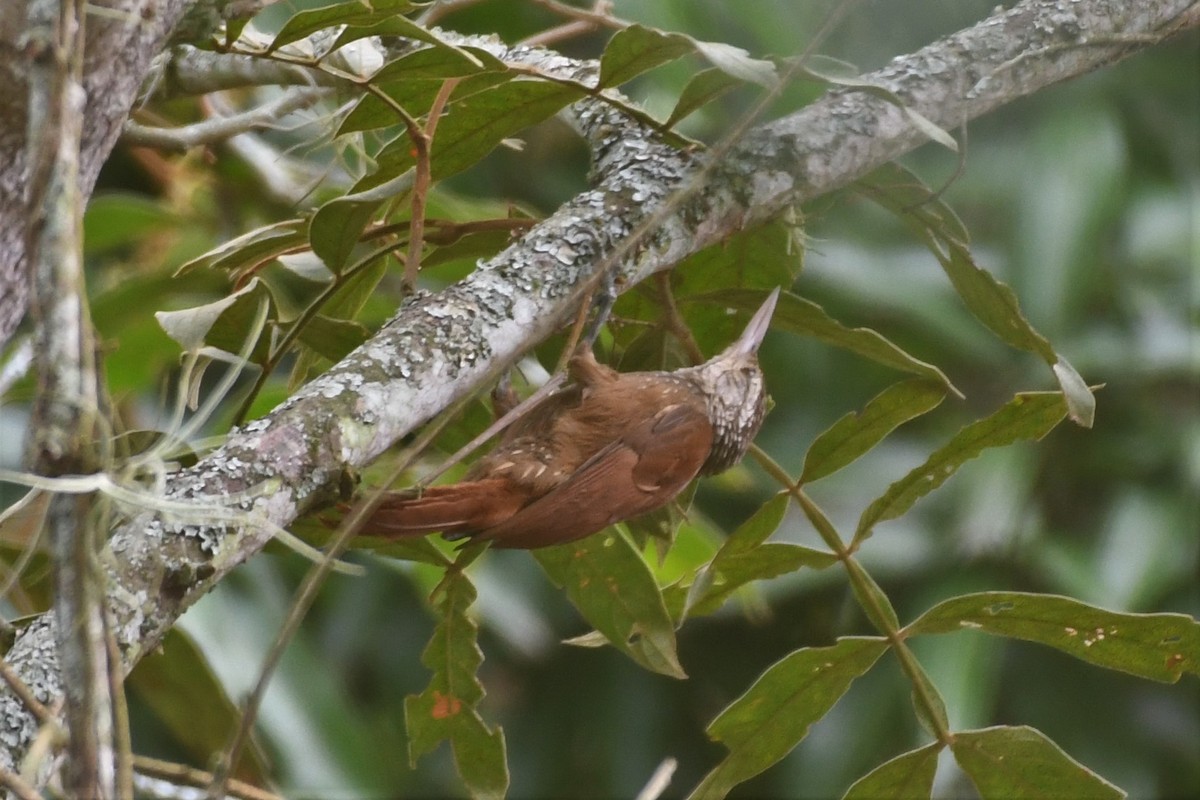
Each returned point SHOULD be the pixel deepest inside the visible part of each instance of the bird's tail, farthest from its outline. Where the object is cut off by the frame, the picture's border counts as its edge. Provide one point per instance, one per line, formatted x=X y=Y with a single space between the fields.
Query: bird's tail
x=457 y=509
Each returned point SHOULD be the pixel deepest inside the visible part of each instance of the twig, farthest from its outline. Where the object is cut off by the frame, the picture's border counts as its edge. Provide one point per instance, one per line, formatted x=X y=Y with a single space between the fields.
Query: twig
x=674 y=321
x=422 y=141
x=659 y=781
x=192 y=777
x=444 y=8
x=17 y=785
x=573 y=337
x=600 y=14
x=219 y=129
x=561 y=33
x=122 y=739
x=67 y=415
x=22 y=691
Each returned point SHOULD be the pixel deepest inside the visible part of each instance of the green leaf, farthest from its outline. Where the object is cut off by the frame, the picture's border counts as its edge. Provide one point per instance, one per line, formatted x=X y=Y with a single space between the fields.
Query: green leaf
x=704 y=87
x=744 y=558
x=477 y=124
x=333 y=338
x=774 y=715
x=637 y=49
x=392 y=25
x=437 y=64
x=242 y=254
x=930 y=128
x=766 y=561
x=614 y=590
x=446 y=710
x=1160 y=647
x=806 y=318
x=988 y=300
x=305 y=23
x=1020 y=763
x=415 y=96
x=855 y=434
x=420 y=551
x=904 y=777
x=337 y=226
x=900 y=190
x=224 y=324
x=1026 y=416
x=737 y=63
x=177 y=684
x=927 y=702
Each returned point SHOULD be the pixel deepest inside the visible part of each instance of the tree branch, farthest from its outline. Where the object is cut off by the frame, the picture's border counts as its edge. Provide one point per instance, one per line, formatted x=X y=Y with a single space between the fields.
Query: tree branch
x=650 y=207
x=219 y=128
x=66 y=422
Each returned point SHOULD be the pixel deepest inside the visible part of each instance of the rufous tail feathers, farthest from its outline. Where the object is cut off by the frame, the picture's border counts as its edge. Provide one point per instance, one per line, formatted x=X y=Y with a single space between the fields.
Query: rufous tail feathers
x=460 y=508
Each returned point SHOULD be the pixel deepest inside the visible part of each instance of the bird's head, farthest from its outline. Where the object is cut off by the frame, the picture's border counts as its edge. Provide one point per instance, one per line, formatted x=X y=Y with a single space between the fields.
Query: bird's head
x=734 y=390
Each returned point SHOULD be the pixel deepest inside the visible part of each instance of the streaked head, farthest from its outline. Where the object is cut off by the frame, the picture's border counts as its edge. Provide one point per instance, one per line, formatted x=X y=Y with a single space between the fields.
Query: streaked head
x=734 y=391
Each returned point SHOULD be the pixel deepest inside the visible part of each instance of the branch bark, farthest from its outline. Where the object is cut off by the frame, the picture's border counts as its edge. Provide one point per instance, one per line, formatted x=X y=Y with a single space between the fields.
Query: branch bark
x=650 y=207
x=66 y=424
x=119 y=48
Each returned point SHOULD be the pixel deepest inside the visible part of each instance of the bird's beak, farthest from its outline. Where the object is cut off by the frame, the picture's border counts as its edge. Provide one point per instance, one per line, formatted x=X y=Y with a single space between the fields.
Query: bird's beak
x=756 y=329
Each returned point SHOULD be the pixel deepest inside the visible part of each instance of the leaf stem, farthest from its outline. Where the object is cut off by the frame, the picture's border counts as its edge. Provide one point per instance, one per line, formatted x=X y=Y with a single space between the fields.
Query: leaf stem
x=870 y=596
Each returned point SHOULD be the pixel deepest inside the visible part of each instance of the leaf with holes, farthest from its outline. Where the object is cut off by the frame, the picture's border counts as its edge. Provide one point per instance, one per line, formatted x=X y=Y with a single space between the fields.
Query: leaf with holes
x=1160 y=647
x=614 y=590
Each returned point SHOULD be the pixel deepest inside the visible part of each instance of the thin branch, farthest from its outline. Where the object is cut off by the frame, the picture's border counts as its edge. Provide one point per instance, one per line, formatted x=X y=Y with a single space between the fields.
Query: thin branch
x=422 y=142
x=66 y=414
x=22 y=691
x=600 y=15
x=674 y=321
x=176 y=774
x=18 y=786
x=219 y=129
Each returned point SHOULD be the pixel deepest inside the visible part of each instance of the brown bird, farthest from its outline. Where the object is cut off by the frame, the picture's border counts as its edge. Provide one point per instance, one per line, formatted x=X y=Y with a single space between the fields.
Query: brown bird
x=608 y=447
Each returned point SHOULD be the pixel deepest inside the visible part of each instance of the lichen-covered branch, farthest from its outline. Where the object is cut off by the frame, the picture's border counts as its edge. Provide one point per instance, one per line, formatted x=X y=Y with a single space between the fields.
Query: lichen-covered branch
x=649 y=207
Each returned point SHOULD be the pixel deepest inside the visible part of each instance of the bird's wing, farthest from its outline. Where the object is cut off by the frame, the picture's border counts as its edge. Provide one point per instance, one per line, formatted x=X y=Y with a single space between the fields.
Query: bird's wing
x=641 y=471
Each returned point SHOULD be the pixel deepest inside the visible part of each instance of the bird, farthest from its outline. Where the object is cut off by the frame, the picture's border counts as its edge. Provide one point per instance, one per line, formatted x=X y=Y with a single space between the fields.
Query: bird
x=607 y=447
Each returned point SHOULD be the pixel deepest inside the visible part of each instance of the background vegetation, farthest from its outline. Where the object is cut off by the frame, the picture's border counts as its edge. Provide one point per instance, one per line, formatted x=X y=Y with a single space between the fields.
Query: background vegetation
x=1083 y=199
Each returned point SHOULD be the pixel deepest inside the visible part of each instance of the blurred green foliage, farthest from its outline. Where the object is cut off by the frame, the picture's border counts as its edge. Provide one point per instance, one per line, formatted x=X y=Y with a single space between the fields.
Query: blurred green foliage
x=1084 y=199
